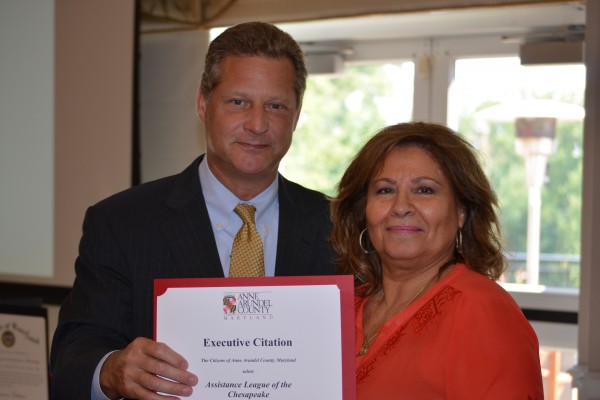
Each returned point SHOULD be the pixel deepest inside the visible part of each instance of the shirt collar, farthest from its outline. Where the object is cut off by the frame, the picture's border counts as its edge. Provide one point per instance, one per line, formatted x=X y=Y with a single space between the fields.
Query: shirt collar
x=222 y=202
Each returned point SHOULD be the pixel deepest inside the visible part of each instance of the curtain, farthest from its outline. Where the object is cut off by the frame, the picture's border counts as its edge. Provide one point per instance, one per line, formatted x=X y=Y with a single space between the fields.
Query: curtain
x=199 y=14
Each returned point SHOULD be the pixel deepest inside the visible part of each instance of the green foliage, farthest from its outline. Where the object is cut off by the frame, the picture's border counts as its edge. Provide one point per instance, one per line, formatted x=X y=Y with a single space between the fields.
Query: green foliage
x=561 y=196
x=331 y=130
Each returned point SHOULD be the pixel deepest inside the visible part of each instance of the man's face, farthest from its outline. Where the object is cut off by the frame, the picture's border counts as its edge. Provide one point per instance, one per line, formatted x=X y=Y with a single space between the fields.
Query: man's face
x=249 y=119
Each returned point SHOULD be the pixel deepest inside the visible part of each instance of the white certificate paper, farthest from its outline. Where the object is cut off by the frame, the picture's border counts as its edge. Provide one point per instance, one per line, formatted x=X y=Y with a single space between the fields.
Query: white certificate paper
x=262 y=338
x=23 y=354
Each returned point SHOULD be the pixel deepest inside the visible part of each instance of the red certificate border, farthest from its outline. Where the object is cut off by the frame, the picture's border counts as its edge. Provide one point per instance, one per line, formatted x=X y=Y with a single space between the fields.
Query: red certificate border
x=345 y=283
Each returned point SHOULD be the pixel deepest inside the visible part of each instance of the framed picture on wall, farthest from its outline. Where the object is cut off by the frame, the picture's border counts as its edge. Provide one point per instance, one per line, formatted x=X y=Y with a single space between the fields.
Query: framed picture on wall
x=23 y=353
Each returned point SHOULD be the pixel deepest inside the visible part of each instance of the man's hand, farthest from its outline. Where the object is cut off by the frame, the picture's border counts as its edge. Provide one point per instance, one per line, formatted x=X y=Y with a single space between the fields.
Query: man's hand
x=138 y=372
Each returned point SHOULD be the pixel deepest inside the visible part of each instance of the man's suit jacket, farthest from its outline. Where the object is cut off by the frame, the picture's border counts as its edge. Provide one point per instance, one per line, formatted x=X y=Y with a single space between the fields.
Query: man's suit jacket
x=161 y=229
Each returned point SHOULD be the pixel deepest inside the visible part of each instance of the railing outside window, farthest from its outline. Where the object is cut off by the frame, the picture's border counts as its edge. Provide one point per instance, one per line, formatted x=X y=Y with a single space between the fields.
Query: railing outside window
x=556 y=270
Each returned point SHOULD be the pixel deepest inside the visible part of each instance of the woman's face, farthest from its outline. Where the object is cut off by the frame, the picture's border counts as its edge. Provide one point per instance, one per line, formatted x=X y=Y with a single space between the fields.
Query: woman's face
x=412 y=215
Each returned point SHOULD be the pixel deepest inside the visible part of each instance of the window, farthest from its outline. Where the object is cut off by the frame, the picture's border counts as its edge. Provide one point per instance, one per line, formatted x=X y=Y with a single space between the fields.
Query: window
x=482 y=97
x=340 y=113
x=486 y=98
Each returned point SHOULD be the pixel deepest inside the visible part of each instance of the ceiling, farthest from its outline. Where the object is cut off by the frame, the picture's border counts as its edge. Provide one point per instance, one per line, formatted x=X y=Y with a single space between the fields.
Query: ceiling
x=504 y=20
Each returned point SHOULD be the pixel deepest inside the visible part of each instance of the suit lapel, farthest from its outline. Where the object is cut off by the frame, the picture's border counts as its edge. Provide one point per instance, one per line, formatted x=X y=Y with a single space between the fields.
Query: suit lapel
x=188 y=230
x=296 y=238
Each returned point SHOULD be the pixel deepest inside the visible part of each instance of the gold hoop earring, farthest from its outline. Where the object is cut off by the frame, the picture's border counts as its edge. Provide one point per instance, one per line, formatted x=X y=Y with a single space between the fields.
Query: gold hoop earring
x=360 y=238
x=459 y=242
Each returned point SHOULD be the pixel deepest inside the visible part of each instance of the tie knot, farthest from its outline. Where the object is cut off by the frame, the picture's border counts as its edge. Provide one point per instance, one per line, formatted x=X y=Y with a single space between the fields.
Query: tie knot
x=246 y=212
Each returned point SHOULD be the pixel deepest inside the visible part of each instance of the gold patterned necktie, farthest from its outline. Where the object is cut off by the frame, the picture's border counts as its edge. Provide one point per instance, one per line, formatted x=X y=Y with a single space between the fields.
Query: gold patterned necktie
x=247 y=251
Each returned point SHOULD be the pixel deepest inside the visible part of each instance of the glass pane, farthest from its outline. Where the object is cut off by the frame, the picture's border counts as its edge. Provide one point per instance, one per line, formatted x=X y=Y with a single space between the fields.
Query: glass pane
x=340 y=112
x=540 y=206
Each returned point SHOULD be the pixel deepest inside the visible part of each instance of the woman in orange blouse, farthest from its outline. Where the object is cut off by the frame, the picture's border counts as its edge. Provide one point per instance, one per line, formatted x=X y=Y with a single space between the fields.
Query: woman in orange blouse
x=415 y=222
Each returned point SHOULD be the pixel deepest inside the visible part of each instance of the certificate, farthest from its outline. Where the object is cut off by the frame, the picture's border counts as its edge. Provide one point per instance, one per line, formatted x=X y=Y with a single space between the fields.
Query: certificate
x=23 y=353
x=261 y=338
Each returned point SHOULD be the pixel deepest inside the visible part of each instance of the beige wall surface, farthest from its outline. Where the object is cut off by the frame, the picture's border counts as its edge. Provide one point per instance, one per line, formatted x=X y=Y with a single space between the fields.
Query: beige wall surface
x=94 y=111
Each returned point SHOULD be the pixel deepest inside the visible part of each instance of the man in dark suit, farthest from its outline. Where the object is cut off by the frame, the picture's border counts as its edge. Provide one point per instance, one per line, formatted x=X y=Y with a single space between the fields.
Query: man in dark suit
x=183 y=226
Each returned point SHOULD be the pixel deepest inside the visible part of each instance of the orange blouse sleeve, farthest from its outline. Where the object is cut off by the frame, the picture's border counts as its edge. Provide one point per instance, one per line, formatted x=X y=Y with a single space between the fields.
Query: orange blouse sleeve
x=493 y=351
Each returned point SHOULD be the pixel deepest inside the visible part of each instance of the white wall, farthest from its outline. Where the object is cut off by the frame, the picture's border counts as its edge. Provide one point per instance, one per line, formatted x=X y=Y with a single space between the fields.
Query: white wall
x=26 y=137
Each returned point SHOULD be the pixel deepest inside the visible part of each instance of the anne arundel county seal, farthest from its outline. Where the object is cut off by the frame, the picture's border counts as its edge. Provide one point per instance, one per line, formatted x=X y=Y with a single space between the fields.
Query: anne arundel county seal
x=247 y=305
